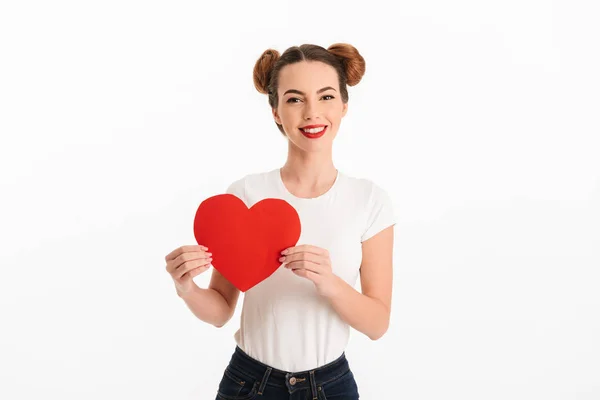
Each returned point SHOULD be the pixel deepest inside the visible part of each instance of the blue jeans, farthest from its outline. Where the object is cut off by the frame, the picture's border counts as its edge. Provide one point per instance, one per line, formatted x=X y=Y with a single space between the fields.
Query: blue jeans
x=247 y=379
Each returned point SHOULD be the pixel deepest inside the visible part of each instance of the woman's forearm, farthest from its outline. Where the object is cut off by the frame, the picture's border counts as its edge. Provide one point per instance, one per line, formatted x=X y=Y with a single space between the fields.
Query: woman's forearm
x=363 y=313
x=208 y=305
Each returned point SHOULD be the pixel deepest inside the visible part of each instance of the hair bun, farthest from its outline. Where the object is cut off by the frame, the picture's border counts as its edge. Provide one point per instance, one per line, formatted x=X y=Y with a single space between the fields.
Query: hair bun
x=354 y=64
x=262 y=69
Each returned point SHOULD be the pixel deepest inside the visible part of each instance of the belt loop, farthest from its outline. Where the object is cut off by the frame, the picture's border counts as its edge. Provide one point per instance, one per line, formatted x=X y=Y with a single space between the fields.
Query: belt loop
x=313 y=385
x=264 y=380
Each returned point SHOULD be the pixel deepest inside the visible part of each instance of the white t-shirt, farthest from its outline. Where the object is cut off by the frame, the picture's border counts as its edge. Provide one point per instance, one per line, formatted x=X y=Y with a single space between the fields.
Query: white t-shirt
x=285 y=323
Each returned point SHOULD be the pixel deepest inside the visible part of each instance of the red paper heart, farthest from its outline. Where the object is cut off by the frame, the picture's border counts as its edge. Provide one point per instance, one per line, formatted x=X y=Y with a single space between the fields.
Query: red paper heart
x=246 y=243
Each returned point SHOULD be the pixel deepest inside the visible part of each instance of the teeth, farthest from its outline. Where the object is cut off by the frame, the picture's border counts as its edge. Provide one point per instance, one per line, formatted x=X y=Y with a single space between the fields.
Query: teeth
x=314 y=130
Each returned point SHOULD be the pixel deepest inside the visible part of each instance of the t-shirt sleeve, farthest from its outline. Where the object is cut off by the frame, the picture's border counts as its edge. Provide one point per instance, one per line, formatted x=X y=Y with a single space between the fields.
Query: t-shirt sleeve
x=238 y=189
x=380 y=213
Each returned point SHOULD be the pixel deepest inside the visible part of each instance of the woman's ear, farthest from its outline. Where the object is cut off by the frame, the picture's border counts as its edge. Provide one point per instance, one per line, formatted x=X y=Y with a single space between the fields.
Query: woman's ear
x=344 y=110
x=276 y=116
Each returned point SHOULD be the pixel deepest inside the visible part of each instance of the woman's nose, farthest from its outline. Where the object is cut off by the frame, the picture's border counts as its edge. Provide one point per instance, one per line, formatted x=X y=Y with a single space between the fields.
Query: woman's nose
x=310 y=110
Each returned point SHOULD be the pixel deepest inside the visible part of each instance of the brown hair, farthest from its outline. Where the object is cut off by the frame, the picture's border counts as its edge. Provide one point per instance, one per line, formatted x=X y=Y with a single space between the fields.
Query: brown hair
x=343 y=57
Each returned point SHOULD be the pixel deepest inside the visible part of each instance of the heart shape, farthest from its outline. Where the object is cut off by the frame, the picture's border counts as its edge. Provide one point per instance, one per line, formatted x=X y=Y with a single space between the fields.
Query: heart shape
x=246 y=243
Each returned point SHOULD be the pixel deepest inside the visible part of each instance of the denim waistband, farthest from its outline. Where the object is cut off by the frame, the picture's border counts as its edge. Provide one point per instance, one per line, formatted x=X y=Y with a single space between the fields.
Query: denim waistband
x=270 y=376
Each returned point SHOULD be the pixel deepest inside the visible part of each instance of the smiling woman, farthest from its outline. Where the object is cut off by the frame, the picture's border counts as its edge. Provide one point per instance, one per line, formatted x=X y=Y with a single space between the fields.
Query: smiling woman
x=295 y=325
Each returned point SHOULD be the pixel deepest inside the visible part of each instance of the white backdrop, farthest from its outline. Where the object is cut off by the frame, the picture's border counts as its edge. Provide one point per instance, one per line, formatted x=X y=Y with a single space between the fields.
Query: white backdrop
x=481 y=120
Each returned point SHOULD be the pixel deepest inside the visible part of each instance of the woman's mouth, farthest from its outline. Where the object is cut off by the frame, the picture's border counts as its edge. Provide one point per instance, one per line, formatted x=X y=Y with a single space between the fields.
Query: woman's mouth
x=314 y=133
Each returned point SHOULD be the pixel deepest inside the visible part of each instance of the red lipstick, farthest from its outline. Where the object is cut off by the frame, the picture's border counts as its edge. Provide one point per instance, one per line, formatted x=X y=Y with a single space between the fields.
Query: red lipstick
x=314 y=135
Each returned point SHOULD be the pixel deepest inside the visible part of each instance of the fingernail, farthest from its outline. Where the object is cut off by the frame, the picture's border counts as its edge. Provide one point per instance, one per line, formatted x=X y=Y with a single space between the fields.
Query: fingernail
x=281 y=258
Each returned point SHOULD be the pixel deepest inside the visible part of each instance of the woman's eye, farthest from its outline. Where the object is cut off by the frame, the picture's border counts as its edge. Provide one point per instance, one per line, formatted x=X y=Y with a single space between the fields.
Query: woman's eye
x=291 y=99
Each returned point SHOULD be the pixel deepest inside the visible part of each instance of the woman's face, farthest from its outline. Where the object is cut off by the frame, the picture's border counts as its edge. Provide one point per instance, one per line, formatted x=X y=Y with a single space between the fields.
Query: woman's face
x=309 y=95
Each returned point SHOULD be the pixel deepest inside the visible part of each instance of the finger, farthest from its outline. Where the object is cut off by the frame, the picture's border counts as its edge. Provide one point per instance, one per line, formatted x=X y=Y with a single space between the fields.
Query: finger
x=307 y=265
x=178 y=251
x=176 y=264
x=305 y=248
x=194 y=255
x=308 y=275
x=191 y=256
x=303 y=256
x=190 y=265
x=196 y=271
x=179 y=274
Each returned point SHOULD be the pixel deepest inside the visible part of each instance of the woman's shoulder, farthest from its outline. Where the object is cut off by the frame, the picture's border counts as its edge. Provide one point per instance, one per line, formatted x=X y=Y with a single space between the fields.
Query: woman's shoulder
x=363 y=186
x=375 y=202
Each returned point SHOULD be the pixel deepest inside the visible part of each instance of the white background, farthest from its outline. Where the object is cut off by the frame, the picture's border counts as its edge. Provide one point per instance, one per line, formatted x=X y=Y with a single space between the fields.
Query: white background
x=480 y=118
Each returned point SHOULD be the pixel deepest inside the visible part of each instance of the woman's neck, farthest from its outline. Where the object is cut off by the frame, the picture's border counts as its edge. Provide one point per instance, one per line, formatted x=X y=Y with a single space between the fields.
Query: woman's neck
x=308 y=175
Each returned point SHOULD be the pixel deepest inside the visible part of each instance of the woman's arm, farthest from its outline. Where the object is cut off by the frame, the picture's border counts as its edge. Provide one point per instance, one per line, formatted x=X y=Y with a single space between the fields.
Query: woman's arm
x=216 y=304
x=369 y=312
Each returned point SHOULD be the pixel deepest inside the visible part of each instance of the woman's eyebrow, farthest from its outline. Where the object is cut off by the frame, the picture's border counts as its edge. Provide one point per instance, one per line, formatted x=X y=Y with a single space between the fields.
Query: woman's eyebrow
x=302 y=93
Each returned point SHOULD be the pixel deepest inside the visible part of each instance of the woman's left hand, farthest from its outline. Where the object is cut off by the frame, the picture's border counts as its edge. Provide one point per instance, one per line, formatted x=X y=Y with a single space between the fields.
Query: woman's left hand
x=313 y=263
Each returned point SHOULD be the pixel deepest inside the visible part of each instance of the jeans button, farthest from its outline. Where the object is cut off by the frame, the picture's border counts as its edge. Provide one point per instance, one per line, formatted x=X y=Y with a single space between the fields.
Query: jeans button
x=292 y=381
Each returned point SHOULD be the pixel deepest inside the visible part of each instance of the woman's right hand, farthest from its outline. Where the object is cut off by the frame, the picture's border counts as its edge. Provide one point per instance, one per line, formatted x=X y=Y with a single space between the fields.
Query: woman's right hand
x=186 y=262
